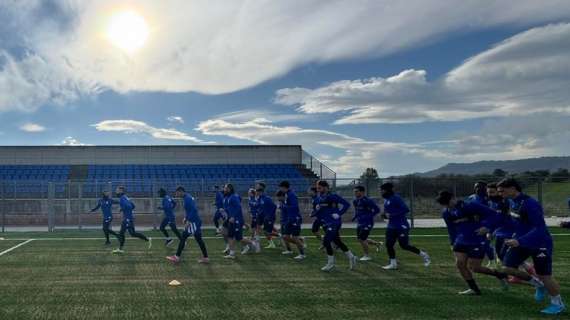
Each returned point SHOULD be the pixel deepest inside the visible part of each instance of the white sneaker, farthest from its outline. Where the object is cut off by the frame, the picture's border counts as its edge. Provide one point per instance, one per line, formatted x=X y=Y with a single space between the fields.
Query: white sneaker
x=427 y=259
x=149 y=243
x=352 y=262
x=257 y=246
x=468 y=292
x=271 y=245
x=230 y=256
x=300 y=257
x=328 y=267
x=246 y=249
x=365 y=258
x=226 y=250
x=391 y=266
x=287 y=252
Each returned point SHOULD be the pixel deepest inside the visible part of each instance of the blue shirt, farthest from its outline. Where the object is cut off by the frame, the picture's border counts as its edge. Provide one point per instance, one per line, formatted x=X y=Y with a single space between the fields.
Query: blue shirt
x=253 y=206
x=106 y=205
x=482 y=200
x=127 y=206
x=365 y=209
x=219 y=200
x=168 y=205
x=232 y=206
x=504 y=226
x=291 y=206
x=464 y=220
x=530 y=228
x=191 y=210
x=267 y=207
x=327 y=205
x=397 y=212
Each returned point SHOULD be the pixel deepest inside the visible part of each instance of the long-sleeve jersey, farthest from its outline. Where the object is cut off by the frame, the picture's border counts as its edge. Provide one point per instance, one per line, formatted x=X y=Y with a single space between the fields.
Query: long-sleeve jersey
x=232 y=206
x=314 y=202
x=253 y=206
x=291 y=205
x=267 y=207
x=530 y=227
x=365 y=209
x=504 y=226
x=106 y=205
x=191 y=210
x=397 y=212
x=328 y=204
x=464 y=220
x=219 y=200
x=168 y=206
x=482 y=200
x=127 y=206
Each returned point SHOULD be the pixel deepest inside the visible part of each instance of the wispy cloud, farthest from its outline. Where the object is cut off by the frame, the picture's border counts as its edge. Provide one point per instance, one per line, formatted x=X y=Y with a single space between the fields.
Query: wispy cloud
x=70 y=141
x=32 y=127
x=175 y=119
x=140 y=127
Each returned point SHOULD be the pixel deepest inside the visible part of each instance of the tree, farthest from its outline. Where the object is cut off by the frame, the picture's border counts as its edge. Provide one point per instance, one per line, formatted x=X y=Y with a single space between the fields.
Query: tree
x=370 y=179
x=500 y=173
x=560 y=175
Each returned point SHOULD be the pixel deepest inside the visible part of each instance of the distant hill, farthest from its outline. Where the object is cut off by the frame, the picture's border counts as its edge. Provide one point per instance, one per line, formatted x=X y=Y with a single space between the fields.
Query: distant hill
x=511 y=166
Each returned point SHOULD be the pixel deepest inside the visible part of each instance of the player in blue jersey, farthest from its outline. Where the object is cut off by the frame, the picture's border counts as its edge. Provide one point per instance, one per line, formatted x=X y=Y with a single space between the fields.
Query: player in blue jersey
x=235 y=222
x=480 y=196
x=467 y=224
x=267 y=211
x=365 y=209
x=505 y=224
x=192 y=227
x=168 y=206
x=398 y=229
x=253 y=205
x=317 y=223
x=292 y=221
x=128 y=223
x=531 y=239
x=331 y=207
x=219 y=209
x=106 y=205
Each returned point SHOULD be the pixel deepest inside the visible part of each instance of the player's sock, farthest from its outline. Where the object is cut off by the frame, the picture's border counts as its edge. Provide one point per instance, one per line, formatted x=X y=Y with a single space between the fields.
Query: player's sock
x=473 y=286
x=556 y=300
x=536 y=282
x=349 y=254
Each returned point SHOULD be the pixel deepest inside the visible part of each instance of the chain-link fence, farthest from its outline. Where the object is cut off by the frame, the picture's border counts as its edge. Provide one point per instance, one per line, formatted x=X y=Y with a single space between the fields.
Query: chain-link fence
x=67 y=204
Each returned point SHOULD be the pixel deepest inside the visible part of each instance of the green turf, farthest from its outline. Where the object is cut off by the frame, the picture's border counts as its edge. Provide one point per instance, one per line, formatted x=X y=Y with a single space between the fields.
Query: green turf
x=82 y=280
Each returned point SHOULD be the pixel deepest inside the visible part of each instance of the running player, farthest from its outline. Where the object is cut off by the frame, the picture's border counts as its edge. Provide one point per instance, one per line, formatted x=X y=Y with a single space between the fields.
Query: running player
x=466 y=223
x=168 y=206
x=365 y=209
x=328 y=208
x=254 y=212
x=398 y=229
x=193 y=227
x=531 y=239
x=219 y=207
x=291 y=229
x=317 y=223
x=232 y=207
x=481 y=197
x=128 y=223
x=267 y=210
x=106 y=205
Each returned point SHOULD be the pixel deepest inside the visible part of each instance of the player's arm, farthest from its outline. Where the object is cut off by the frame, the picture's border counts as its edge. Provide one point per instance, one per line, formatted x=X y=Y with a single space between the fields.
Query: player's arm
x=345 y=205
x=373 y=207
x=97 y=207
x=536 y=219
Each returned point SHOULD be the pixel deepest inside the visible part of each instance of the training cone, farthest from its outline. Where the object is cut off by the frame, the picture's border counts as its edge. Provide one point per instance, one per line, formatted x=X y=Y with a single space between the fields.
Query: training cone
x=174 y=283
x=1 y=238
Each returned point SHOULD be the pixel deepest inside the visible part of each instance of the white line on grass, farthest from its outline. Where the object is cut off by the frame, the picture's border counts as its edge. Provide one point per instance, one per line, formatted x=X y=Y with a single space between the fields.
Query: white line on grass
x=16 y=246
x=213 y=238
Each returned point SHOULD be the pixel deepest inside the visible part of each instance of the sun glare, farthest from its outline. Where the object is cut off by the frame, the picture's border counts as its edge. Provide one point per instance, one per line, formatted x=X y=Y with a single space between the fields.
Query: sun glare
x=128 y=31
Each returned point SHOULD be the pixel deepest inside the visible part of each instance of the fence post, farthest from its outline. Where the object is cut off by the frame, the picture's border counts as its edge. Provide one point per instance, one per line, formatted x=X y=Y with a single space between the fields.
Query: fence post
x=153 y=207
x=539 y=189
x=412 y=200
x=79 y=198
x=50 y=207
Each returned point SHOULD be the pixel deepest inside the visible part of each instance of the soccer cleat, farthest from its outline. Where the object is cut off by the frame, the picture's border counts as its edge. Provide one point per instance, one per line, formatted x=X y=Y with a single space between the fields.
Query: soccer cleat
x=427 y=259
x=230 y=256
x=226 y=250
x=553 y=309
x=118 y=251
x=469 y=292
x=328 y=267
x=365 y=258
x=271 y=245
x=149 y=243
x=352 y=260
x=246 y=249
x=168 y=242
x=393 y=265
x=204 y=260
x=287 y=252
x=300 y=257
x=539 y=294
x=173 y=259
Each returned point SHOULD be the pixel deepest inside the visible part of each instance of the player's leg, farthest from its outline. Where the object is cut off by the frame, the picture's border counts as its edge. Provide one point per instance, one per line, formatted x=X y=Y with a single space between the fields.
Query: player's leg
x=475 y=264
x=230 y=230
x=162 y=229
x=461 y=263
x=216 y=219
x=172 y=225
x=296 y=238
x=106 y=232
x=268 y=230
x=362 y=233
x=135 y=234
x=121 y=237
x=490 y=253
x=327 y=243
x=342 y=246
x=404 y=242
x=316 y=230
x=542 y=259
x=176 y=258
x=201 y=244
x=286 y=239
x=391 y=238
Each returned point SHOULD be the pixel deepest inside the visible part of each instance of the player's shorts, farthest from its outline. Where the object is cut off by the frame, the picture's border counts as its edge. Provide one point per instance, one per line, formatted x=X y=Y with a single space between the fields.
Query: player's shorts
x=476 y=251
x=402 y=236
x=541 y=257
x=168 y=221
x=260 y=219
x=332 y=231
x=363 y=231
x=218 y=215
x=291 y=229
x=235 y=230
x=194 y=229
x=254 y=222
x=317 y=224
x=268 y=225
x=107 y=219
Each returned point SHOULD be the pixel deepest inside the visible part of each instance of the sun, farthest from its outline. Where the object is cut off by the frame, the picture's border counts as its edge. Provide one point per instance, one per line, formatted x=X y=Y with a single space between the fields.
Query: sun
x=128 y=31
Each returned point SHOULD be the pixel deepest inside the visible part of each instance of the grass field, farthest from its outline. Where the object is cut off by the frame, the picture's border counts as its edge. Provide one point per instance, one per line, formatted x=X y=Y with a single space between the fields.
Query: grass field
x=57 y=278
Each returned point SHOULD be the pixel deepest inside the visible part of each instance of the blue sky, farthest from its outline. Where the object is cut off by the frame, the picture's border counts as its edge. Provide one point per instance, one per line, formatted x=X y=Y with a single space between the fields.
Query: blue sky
x=401 y=87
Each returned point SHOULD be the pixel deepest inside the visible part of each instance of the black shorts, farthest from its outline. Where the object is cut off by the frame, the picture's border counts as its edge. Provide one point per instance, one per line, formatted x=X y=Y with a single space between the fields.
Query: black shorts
x=268 y=226
x=541 y=257
x=253 y=222
x=291 y=229
x=363 y=231
x=235 y=231
x=476 y=251
x=317 y=224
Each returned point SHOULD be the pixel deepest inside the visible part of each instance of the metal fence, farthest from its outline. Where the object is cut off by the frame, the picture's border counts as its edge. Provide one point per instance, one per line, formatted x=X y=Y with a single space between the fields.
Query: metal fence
x=66 y=204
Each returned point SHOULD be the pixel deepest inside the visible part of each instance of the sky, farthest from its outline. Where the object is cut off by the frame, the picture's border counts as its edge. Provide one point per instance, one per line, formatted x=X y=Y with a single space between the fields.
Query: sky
x=403 y=86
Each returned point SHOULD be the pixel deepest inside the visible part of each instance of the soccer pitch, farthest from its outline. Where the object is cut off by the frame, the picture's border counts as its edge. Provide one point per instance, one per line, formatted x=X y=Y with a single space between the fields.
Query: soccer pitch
x=72 y=275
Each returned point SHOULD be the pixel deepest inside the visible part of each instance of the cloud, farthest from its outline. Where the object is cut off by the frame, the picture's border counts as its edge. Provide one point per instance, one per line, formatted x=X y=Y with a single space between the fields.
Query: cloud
x=175 y=119
x=137 y=127
x=70 y=141
x=32 y=127
x=526 y=74
x=213 y=48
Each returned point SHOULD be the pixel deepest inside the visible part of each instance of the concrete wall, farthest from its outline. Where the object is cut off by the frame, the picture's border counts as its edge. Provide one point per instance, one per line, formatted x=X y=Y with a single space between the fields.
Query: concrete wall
x=84 y=155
